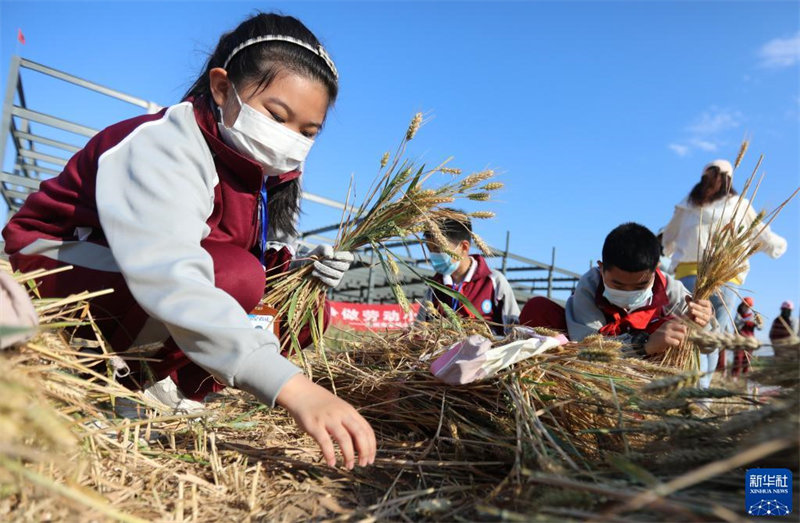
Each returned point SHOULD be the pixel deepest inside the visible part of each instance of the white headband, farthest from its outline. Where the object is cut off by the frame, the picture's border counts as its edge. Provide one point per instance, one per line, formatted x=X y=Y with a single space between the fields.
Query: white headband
x=319 y=50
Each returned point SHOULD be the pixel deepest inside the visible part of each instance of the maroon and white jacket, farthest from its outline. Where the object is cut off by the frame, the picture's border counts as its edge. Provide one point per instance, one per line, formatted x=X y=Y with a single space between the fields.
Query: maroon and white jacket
x=139 y=199
x=487 y=289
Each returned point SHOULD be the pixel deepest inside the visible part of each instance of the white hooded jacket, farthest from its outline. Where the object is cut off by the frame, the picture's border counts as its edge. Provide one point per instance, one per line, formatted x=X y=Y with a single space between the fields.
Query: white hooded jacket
x=687 y=233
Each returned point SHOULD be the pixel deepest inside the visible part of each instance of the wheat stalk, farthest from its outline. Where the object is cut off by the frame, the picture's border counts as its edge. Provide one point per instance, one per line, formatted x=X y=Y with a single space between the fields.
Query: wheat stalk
x=397 y=203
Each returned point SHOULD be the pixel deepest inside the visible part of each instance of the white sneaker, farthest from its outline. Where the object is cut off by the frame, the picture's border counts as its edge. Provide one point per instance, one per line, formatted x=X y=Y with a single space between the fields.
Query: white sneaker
x=167 y=393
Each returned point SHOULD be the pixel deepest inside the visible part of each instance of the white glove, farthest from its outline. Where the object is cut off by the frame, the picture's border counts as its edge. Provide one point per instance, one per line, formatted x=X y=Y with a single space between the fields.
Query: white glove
x=330 y=266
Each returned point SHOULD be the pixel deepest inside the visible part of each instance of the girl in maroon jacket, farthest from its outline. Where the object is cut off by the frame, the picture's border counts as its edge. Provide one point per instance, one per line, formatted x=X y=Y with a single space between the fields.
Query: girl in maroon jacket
x=181 y=212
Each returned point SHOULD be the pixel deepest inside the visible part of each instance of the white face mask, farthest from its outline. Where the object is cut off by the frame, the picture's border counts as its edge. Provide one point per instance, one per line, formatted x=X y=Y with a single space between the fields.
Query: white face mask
x=629 y=300
x=277 y=148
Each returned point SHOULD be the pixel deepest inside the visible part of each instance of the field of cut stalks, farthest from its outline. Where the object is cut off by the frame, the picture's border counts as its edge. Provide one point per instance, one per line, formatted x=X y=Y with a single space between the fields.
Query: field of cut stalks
x=580 y=432
x=584 y=431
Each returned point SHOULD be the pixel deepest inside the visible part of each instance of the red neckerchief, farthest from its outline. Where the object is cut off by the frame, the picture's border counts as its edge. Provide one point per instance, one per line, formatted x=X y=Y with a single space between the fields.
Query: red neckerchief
x=647 y=318
x=273 y=181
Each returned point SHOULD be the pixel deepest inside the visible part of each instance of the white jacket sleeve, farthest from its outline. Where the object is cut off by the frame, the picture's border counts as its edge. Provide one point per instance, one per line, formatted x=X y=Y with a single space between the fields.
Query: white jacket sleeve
x=672 y=230
x=154 y=194
x=768 y=242
x=677 y=294
x=584 y=317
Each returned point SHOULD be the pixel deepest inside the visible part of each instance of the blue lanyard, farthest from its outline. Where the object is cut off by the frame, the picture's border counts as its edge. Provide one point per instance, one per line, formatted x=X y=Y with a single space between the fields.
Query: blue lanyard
x=458 y=290
x=262 y=206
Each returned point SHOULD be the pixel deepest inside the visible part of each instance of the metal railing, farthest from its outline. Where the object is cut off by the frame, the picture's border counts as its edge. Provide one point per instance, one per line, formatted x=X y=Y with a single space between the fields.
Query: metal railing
x=31 y=166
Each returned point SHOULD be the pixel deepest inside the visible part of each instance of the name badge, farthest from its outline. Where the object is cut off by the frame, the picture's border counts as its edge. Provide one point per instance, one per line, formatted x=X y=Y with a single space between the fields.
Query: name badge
x=265 y=317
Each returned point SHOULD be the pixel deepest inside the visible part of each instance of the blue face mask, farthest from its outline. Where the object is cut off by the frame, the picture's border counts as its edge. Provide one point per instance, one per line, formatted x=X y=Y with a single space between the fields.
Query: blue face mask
x=443 y=263
x=628 y=300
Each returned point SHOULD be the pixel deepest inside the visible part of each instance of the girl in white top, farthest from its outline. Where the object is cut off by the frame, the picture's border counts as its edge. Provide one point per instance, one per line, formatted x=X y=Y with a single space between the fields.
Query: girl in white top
x=711 y=201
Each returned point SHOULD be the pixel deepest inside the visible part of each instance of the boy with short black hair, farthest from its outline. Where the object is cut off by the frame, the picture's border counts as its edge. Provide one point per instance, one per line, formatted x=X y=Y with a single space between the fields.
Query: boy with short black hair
x=626 y=296
x=487 y=289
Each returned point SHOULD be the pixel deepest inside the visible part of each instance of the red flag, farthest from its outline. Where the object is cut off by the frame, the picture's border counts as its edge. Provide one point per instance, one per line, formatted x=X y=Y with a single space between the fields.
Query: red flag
x=20 y=36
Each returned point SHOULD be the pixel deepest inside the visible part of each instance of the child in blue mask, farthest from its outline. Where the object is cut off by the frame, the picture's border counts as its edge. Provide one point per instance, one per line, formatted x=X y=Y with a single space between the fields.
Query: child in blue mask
x=487 y=289
x=626 y=296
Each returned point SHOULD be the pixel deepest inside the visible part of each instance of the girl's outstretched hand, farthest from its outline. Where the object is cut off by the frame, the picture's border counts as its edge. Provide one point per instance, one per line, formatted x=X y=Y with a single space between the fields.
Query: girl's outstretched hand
x=326 y=418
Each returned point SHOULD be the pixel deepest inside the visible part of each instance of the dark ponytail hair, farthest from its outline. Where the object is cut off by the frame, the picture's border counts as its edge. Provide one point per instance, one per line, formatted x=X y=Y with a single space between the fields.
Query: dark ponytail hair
x=261 y=63
x=283 y=206
x=700 y=196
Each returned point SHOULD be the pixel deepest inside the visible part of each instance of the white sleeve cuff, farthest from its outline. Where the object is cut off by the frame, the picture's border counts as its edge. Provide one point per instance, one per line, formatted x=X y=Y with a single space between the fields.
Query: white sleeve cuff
x=263 y=374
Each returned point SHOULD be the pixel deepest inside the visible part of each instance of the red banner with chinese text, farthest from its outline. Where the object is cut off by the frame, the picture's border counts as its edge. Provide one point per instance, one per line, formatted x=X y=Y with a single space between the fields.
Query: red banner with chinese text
x=368 y=317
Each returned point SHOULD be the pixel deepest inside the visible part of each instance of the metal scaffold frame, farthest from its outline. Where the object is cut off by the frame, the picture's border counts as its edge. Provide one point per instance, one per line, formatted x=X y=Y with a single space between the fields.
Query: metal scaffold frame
x=29 y=130
x=32 y=166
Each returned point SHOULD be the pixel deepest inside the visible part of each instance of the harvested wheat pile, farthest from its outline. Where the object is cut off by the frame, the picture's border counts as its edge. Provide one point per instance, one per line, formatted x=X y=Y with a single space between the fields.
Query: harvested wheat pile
x=581 y=431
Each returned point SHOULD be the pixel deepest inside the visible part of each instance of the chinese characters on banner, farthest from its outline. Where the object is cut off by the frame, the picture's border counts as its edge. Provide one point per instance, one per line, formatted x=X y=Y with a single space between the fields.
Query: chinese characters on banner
x=363 y=316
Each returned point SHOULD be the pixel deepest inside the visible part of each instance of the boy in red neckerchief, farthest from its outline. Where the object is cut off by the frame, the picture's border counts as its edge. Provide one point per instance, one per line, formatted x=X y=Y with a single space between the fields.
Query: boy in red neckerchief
x=626 y=297
x=487 y=289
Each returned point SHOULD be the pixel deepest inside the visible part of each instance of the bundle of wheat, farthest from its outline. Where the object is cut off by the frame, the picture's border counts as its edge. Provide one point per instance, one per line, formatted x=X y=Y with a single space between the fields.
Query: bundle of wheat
x=398 y=204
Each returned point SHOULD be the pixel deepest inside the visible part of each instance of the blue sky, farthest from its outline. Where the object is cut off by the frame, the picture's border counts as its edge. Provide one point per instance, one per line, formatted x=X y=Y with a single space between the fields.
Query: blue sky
x=595 y=113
